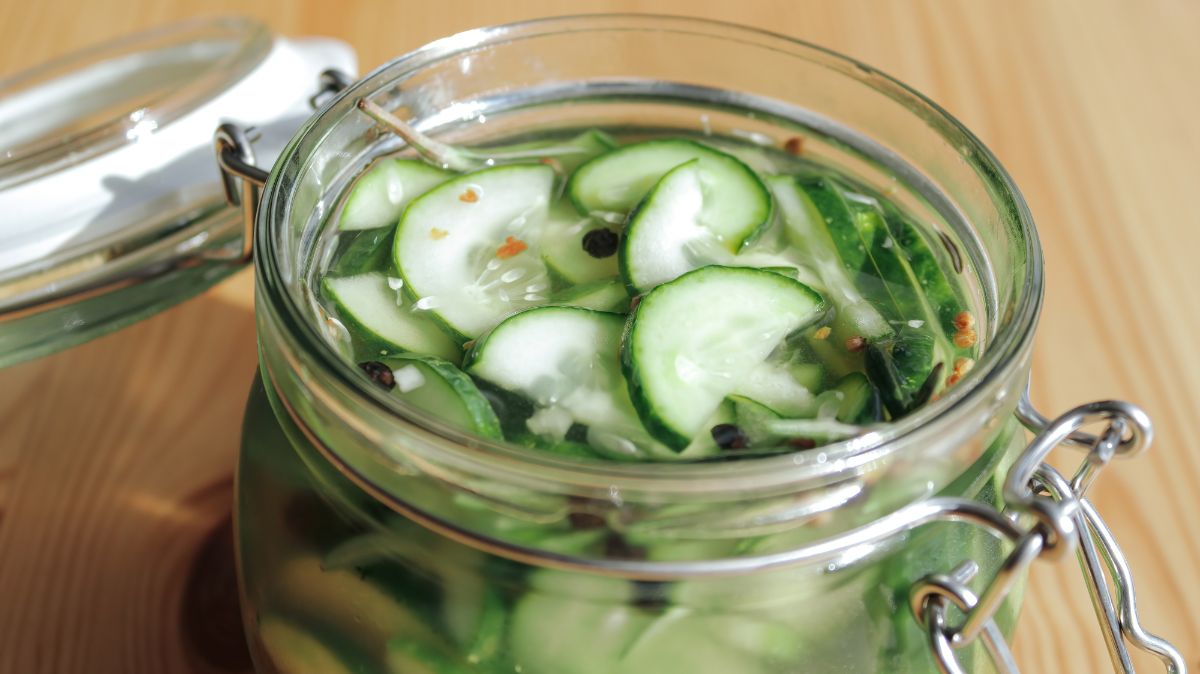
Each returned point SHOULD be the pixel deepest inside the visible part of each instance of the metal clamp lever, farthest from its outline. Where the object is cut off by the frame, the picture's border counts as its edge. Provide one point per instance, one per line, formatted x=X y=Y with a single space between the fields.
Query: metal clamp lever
x=1062 y=518
x=241 y=177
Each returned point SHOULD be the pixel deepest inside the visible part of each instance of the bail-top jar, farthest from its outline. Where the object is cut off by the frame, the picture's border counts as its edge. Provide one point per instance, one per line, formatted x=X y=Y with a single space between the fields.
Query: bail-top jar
x=376 y=537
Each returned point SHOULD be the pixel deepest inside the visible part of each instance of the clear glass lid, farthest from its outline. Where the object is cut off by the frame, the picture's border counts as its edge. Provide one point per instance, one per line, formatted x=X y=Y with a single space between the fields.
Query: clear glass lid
x=111 y=193
x=94 y=100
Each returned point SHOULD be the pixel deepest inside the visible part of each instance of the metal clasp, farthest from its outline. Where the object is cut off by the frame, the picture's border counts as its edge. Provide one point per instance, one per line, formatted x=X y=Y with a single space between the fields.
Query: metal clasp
x=241 y=177
x=1062 y=520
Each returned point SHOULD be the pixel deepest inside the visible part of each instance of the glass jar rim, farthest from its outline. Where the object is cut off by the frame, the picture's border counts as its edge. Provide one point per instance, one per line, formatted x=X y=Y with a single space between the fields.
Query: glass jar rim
x=499 y=458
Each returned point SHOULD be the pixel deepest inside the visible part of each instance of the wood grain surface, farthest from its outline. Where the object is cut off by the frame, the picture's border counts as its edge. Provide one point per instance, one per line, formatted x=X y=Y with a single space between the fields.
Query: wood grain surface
x=116 y=457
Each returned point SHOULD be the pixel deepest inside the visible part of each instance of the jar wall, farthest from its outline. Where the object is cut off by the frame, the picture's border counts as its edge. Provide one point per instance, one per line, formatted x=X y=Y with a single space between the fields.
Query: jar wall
x=336 y=579
x=333 y=580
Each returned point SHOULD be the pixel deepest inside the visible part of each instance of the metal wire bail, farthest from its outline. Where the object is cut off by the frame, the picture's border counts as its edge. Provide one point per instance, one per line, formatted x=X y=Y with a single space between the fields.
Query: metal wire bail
x=1062 y=520
x=241 y=177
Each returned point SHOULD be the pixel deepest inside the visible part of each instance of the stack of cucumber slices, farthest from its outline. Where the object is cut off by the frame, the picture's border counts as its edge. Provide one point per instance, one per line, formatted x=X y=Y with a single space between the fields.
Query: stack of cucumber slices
x=651 y=300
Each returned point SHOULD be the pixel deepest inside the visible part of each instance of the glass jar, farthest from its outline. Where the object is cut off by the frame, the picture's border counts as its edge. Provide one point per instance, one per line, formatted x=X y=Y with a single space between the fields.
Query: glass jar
x=373 y=537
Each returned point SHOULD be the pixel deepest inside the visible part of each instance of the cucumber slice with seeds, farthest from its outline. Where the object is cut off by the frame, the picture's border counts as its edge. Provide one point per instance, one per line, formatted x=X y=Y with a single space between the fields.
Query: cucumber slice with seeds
x=736 y=203
x=671 y=232
x=563 y=358
x=664 y=238
x=380 y=194
x=462 y=248
x=690 y=342
x=375 y=312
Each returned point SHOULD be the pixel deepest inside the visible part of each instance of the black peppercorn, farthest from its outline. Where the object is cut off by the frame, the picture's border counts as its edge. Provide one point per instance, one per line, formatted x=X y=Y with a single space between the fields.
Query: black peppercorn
x=379 y=373
x=729 y=436
x=601 y=242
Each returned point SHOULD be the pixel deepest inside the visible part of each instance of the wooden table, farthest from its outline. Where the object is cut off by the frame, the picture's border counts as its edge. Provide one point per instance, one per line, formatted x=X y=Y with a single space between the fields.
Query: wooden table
x=116 y=457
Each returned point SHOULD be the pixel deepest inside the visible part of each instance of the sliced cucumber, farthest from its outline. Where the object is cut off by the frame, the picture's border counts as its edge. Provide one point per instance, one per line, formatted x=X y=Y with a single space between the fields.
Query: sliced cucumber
x=736 y=203
x=599 y=296
x=473 y=613
x=664 y=238
x=659 y=549
x=764 y=159
x=462 y=247
x=691 y=341
x=906 y=368
x=295 y=650
x=859 y=402
x=819 y=610
x=375 y=312
x=363 y=252
x=809 y=375
x=913 y=247
x=380 y=194
x=564 y=358
x=377 y=547
x=754 y=419
x=801 y=274
x=436 y=386
x=569 y=153
x=774 y=384
x=703 y=445
x=582 y=628
x=667 y=235
x=808 y=230
x=687 y=642
x=563 y=248
x=341 y=597
x=904 y=365
x=470 y=611
x=838 y=221
x=406 y=657
x=853 y=401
